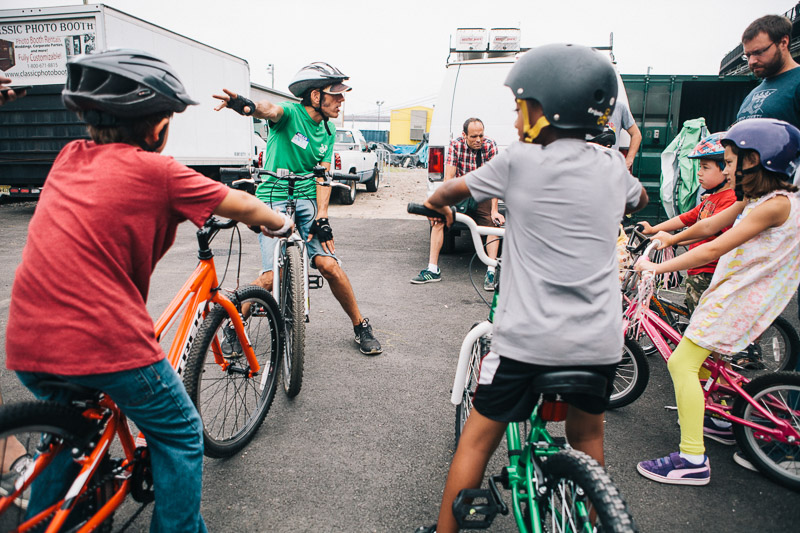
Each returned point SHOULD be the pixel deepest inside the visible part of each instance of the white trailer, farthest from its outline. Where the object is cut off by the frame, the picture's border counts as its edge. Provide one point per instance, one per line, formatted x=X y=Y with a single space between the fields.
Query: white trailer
x=35 y=45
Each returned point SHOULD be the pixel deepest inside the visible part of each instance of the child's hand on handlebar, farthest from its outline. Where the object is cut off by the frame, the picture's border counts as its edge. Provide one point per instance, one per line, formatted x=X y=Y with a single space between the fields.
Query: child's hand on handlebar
x=644 y=264
x=283 y=231
x=445 y=210
x=664 y=238
x=647 y=229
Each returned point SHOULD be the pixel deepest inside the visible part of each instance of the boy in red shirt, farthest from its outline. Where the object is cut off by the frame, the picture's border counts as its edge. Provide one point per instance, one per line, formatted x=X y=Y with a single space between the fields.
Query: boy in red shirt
x=718 y=196
x=108 y=214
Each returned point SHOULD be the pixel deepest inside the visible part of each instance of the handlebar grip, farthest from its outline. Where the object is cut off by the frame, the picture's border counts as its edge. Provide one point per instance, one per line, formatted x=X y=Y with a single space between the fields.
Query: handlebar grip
x=343 y=176
x=216 y=223
x=418 y=209
x=238 y=172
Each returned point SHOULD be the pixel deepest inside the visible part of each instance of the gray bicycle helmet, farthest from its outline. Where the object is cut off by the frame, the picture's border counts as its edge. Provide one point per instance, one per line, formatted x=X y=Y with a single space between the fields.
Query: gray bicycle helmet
x=122 y=84
x=576 y=85
x=318 y=75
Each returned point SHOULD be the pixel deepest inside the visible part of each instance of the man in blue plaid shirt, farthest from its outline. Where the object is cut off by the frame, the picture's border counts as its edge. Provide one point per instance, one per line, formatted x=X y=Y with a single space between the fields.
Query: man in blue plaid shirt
x=466 y=153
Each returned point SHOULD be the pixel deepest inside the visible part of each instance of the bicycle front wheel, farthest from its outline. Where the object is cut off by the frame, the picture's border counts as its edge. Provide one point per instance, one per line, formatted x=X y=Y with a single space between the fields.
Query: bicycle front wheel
x=294 y=321
x=779 y=394
x=479 y=348
x=47 y=431
x=633 y=373
x=231 y=403
x=578 y=487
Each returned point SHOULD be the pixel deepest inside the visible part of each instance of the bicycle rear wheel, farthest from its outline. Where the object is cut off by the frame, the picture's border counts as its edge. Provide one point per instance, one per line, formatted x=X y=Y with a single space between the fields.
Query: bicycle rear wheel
x=45 y=430
x=633 y=373
x=577 y=486
x=294 y=321
x=479 y=348
x=231 y=403
x=779 y=394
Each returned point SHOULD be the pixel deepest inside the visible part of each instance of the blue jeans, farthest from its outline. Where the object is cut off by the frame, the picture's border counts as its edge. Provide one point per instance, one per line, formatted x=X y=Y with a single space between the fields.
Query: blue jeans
x=154 y=398
x=304 y=217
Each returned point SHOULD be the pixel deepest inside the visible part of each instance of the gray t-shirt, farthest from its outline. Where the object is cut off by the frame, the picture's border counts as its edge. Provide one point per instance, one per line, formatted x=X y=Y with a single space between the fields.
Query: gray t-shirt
x=560 y=301
x=621 y=119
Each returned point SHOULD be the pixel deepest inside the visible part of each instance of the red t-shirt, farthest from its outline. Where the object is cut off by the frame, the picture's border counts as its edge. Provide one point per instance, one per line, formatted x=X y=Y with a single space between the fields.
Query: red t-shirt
x=106 y=216
x=713 y=203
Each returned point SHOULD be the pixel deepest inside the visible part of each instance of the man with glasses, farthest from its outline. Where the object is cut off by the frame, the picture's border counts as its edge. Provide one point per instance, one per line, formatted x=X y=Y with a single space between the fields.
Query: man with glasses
x=766 y=50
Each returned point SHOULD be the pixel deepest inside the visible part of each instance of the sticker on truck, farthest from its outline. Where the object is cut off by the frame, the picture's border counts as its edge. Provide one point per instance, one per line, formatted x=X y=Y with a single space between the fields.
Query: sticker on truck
x=35 y=52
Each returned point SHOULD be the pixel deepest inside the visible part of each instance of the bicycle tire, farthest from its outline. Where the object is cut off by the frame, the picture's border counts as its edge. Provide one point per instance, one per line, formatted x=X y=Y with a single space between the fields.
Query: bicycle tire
x=232 y=404
x=778 y=348
x=65 y=428
x=294 y=321
x=573 y=478
x=780 y=393
x=479 y=348
x=631 y=377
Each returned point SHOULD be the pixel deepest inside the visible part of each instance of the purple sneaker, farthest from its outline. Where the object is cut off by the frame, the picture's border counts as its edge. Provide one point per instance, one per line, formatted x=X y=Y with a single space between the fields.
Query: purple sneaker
x=719 y=434
x=675 y=470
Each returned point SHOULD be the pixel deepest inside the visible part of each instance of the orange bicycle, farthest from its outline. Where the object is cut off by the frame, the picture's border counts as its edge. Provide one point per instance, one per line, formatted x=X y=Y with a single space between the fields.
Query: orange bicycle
x=227 y=349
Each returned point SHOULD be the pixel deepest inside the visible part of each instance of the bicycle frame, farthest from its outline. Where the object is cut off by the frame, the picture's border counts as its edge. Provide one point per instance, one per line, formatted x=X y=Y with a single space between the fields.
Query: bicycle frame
x=721 y=380
x=196 y=295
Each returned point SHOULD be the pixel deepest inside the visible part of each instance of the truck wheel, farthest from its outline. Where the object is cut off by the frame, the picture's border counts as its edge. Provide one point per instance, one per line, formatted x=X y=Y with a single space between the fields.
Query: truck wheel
x=375 y=181
x=348 y=196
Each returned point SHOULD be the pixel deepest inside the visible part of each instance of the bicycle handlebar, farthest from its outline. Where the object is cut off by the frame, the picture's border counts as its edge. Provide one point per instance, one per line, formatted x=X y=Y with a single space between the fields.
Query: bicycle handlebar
x=253 y=175
x=474 y=229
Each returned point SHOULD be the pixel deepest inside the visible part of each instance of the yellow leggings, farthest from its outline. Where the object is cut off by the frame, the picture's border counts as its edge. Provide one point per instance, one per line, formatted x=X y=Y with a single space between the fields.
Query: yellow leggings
x=686 y=368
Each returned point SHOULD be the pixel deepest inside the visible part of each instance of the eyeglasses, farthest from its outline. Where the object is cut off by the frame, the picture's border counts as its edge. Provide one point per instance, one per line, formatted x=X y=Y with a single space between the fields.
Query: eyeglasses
x=757 y=53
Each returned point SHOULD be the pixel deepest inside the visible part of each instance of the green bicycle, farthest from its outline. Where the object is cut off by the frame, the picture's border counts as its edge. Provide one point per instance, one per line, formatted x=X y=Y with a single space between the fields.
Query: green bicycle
x=553 y=487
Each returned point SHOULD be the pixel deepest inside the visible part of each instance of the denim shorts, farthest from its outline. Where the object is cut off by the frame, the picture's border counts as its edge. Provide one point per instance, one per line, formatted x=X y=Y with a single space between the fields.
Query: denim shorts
x=306 y=210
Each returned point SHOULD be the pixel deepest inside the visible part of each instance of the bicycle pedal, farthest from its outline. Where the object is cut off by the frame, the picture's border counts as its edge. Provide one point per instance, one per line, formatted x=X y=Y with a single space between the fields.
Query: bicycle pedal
x=315 y=281
x=475 y=508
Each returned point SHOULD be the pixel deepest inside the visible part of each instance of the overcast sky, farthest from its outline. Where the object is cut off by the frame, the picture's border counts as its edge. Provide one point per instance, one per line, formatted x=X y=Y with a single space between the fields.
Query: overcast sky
x=396 y=51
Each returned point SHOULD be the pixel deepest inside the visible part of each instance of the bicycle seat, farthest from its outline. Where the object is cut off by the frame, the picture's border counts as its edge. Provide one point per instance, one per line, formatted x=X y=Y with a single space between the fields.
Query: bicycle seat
x=571 y=381
x=80 y=392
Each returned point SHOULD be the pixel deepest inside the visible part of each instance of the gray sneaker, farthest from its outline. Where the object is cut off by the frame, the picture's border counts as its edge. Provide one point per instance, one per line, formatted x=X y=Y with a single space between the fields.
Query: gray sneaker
x=426 y=276
x=368 y=344
x=230 y=345
x=9 y=479
x=488 y=281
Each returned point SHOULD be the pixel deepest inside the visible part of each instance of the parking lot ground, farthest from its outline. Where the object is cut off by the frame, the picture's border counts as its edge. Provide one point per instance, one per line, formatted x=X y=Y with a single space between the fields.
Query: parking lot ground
x=366 y=445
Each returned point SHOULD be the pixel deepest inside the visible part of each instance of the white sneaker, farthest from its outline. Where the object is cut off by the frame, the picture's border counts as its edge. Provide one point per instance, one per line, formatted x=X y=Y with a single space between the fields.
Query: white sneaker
x=744 y=462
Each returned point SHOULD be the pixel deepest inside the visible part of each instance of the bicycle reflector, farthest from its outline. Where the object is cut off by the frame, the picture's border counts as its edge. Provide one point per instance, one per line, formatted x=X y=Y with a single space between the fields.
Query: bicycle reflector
x=337 y=161
x=553 y=409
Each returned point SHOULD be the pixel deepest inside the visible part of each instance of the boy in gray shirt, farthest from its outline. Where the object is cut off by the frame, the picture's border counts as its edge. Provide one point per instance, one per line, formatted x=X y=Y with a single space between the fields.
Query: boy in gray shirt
x=560 y=302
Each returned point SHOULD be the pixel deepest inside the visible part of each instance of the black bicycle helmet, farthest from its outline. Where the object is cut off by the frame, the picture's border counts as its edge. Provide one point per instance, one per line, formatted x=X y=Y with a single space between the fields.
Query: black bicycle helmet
x=318 y=75
x=122 y=84
x=576 y=85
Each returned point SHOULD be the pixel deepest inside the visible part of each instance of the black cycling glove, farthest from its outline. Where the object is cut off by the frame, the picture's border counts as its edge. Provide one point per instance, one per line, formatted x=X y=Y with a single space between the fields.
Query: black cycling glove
x=322 y=229
x=239 y=103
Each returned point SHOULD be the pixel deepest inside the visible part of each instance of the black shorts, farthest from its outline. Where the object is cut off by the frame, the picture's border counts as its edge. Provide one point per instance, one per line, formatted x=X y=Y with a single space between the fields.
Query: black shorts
x=505 y=392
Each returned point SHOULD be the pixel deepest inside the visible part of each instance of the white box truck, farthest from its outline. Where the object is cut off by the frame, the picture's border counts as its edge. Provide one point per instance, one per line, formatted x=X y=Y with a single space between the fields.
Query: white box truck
x=35 y=45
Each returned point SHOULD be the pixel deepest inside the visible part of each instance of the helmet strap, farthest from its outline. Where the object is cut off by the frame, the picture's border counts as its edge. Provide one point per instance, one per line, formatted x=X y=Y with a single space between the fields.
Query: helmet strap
x=318 y=109
x=154 y=147
x=531 y=132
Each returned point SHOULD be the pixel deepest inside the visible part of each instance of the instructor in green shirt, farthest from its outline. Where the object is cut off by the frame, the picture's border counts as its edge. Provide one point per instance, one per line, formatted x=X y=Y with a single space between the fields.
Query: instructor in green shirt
x=300 y=138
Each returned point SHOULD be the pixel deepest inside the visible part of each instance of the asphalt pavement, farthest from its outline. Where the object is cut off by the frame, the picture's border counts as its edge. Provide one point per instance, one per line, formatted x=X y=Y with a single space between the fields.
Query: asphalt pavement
x=366 y=445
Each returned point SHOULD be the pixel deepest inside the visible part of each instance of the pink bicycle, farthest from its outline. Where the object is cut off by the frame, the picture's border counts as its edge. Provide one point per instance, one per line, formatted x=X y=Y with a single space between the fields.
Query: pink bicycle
x=765 y=411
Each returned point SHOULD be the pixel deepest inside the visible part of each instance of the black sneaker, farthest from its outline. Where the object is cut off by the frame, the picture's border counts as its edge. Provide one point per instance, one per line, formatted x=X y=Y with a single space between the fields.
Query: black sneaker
x=10 y=478
x=369 y=345
x=231 y=348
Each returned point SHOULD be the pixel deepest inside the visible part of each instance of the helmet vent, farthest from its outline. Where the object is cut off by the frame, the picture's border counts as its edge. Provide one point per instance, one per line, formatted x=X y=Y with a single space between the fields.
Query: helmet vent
x=599 y=96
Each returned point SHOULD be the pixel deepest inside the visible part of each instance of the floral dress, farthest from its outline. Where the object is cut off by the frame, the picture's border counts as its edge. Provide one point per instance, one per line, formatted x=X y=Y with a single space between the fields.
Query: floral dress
x=751 y=285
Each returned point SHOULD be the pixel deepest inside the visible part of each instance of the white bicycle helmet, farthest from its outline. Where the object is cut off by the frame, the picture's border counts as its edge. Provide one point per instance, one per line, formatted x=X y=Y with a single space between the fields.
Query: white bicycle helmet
x=318 y=75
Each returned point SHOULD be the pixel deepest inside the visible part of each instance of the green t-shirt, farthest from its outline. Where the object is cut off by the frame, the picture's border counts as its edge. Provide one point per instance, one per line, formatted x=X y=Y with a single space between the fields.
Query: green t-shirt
x=298 y=144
